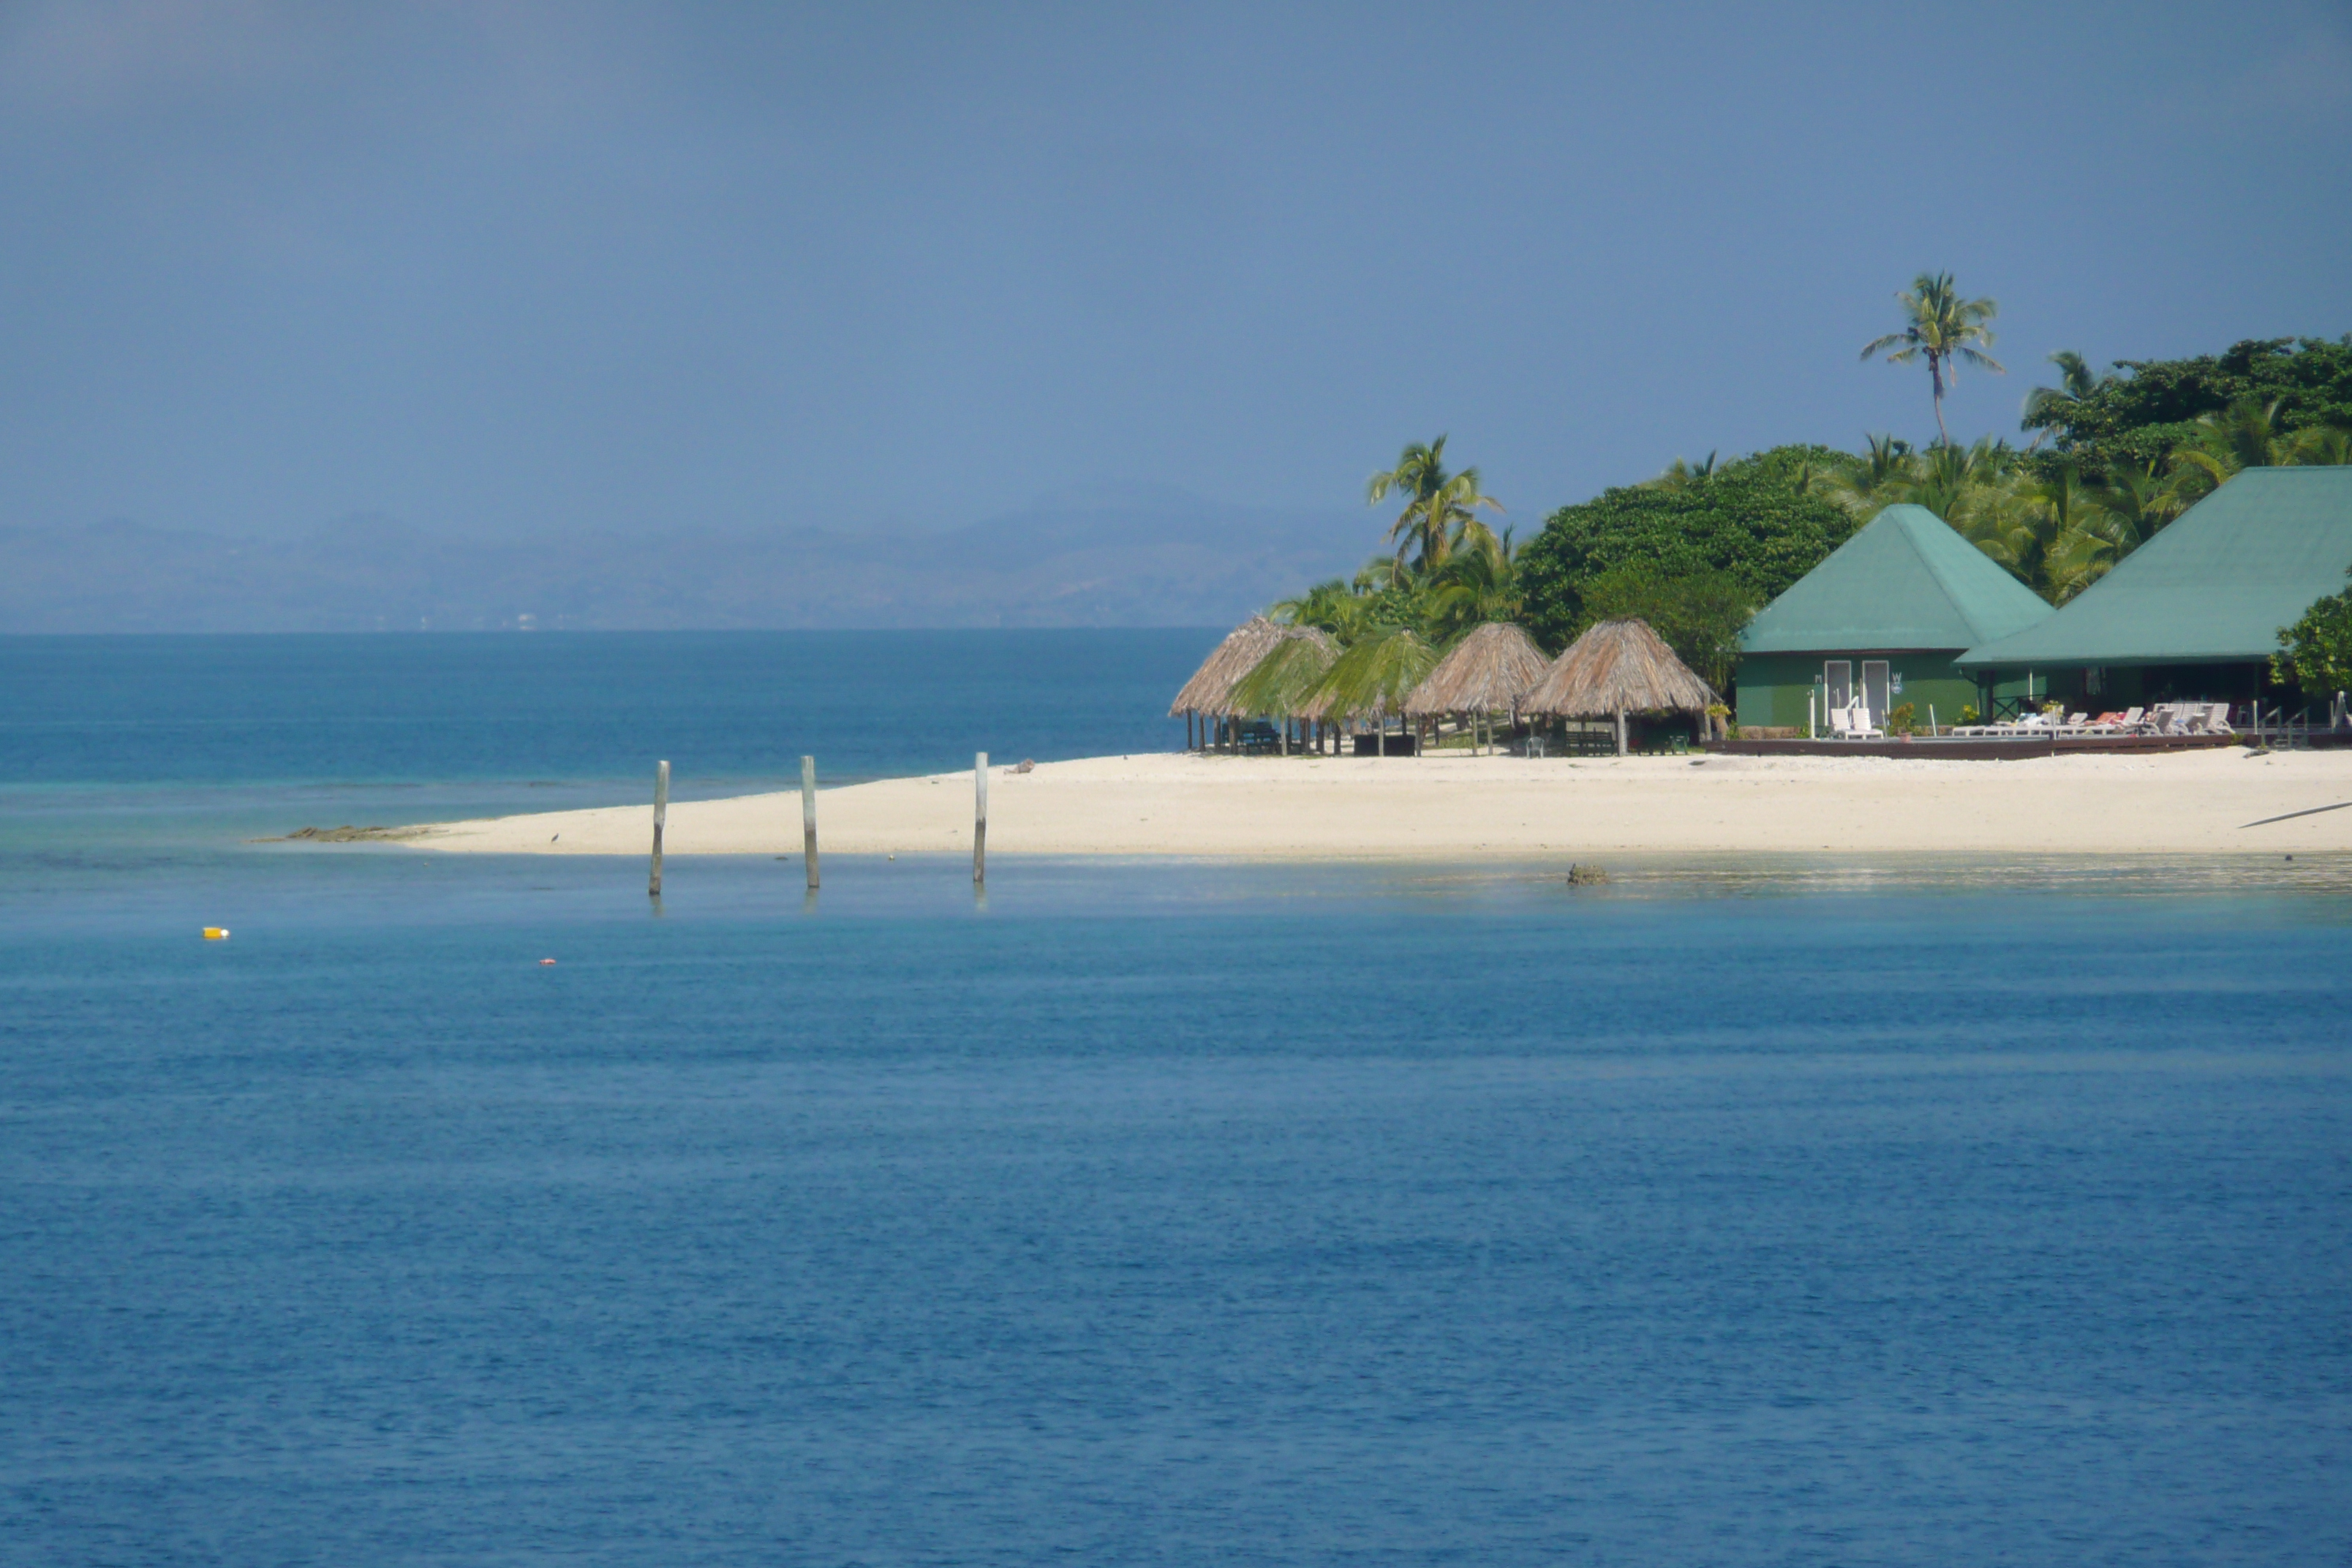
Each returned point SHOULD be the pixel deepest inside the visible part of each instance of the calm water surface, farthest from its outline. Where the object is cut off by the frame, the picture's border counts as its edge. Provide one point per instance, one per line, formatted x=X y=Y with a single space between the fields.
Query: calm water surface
x=1774 y=1212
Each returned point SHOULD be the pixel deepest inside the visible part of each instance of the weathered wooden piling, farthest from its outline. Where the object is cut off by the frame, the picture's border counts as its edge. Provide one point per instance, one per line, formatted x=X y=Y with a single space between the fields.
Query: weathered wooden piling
x=808 y=816
x=980 y=817
x=661 y=819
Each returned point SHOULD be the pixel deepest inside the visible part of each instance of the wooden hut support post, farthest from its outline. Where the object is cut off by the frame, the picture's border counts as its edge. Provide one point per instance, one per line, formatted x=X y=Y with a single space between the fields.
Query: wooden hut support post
x=980 y=818
x=808 y=816
x=661 y=819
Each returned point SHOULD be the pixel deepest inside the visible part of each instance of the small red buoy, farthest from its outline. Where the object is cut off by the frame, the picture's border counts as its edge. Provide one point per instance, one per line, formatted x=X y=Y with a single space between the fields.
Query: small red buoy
x=546 y=961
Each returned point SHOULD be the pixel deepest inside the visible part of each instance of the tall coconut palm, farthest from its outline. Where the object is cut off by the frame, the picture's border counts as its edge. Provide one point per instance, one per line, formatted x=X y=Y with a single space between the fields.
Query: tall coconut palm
x=1440 y=508
x=1944 y=330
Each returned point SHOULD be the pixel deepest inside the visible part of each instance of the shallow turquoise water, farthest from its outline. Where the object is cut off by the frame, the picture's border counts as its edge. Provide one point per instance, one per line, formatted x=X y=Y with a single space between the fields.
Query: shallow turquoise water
x=1763 y=1212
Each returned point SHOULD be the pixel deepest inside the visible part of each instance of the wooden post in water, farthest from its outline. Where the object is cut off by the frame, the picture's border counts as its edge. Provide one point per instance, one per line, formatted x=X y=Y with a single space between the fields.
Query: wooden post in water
x=980 y=817
x=808 y=816
x=661 y=819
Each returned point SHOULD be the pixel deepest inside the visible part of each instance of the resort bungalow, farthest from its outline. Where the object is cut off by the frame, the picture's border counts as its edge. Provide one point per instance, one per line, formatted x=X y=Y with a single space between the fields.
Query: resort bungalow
x=2195 y=612
x=1891 y=609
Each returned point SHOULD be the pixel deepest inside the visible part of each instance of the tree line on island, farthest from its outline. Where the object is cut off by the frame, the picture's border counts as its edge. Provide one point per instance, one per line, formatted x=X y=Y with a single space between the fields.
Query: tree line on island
x=2108 y=459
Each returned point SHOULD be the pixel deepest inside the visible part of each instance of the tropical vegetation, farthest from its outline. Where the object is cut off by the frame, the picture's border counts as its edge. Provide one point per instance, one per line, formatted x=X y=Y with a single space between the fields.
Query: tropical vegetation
x=1941 y=328
x=2111 y=458
x=2315 y=653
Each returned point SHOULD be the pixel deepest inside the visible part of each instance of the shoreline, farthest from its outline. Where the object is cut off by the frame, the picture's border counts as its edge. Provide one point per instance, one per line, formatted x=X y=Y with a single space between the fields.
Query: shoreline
x=1472 y=808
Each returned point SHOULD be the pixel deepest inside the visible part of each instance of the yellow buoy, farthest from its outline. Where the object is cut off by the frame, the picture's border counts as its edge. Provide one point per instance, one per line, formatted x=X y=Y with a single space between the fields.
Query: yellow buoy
x=215 y=933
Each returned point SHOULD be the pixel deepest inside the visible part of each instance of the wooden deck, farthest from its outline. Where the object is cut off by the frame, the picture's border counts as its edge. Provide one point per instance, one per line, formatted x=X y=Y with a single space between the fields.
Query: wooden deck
x=1974 y=748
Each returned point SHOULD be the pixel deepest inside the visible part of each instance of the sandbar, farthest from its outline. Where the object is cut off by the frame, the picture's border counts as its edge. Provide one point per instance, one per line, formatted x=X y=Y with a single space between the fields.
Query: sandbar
x=2192 y=802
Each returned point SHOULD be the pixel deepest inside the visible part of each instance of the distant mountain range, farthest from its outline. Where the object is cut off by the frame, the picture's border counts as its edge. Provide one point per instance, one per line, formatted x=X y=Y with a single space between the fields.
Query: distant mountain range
x=1105 y=557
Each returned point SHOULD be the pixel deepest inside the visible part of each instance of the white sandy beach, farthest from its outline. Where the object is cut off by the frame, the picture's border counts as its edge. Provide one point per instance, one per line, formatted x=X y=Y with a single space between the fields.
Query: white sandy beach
x=1273 y=808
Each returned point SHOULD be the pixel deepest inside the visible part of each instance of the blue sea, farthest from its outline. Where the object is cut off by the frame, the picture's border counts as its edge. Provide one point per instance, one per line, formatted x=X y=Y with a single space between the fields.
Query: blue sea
x=1800 y=1211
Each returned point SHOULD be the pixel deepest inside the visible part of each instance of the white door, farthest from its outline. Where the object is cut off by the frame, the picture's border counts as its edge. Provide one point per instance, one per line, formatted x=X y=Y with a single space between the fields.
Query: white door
x=1837 y=675
x=1875 y=694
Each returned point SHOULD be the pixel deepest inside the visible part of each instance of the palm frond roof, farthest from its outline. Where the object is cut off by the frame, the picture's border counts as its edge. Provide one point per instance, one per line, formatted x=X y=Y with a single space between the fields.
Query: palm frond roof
x=1212 y=684
x=1486 y=672
x=1618 y=666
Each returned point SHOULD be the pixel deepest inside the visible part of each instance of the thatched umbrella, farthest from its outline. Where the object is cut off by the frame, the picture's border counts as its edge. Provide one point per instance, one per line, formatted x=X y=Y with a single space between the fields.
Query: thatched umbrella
x=1373 y=679
x=1280 y=683
x=1207 y=695
x=1487 y=672
x=1617 y=667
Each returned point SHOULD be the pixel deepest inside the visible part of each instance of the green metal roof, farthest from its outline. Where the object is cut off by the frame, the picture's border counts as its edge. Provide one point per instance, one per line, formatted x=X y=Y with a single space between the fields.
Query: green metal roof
x=2217 y=585
x=1904 y=580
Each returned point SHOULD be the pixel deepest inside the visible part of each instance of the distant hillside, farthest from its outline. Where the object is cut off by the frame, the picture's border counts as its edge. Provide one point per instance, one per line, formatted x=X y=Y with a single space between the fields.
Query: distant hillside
x=1124 y=557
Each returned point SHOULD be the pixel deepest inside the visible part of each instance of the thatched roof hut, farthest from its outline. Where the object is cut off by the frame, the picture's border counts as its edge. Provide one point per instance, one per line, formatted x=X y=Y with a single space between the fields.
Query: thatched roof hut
x=1373 y=678
x=1617 y=667
x=1211 y=686
x=1280 y=684
x=1487 y=672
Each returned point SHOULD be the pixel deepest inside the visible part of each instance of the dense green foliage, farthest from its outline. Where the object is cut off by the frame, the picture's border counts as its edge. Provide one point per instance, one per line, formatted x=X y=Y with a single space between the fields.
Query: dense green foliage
x=2315 y=653
x=1759 y=522
x=1699 y=615
x=2135 y=420
x=1697 y=550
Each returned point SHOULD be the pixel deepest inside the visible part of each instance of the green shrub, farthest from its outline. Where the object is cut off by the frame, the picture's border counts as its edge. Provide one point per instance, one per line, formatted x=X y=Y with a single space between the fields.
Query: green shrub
x=2315 y=653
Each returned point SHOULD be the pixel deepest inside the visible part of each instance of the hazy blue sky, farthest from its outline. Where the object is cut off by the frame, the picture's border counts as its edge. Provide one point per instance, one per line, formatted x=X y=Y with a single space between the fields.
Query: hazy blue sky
x=504 y=268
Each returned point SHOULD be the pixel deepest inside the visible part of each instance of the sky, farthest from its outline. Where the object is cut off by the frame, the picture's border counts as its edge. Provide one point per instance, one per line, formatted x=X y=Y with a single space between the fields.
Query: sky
x=503 y=270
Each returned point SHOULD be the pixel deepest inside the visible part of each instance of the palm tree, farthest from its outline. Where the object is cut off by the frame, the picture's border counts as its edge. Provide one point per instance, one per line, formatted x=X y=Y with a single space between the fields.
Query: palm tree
x=1944 y=329
x=2094 y=542
x=2141 y=497
x=1476 y=584
x=1440 y=508
x=1864 y=485
x=2325 y=445
x=1373 y=678
x=1681 y=475
x=1954 y=482
x=1332 y=605
x=2048 y=405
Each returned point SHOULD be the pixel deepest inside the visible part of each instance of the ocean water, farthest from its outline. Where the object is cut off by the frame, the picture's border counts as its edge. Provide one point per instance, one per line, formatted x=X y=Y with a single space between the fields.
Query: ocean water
x=1768 y=1211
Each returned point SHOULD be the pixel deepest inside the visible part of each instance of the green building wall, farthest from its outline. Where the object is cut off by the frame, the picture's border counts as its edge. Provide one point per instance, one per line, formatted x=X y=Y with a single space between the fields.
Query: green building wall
x=1773 y=686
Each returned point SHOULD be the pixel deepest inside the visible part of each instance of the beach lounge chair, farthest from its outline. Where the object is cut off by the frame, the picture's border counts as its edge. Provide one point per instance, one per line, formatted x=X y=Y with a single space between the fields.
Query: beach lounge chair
x=2217 y=720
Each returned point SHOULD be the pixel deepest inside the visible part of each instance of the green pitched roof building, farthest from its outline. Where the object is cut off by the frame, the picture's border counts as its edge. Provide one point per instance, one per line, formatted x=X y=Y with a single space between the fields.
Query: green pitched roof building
x=1890 y=610
x=2195 y=612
